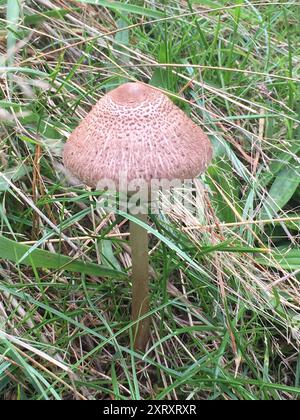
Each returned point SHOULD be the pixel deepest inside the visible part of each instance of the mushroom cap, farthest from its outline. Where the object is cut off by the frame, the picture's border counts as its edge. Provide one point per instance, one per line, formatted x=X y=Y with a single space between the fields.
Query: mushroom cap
x=136 y=132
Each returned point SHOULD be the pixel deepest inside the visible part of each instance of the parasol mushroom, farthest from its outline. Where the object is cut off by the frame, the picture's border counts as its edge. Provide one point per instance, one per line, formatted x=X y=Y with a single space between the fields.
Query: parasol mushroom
x=135 y=132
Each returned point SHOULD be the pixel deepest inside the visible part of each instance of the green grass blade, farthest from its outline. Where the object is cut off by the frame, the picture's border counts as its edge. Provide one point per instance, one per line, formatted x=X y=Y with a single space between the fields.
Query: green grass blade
x=12 y=15
x=286 y=258
x=282 y=190
x=36 y=19
x=127 y=8
x=13 y=251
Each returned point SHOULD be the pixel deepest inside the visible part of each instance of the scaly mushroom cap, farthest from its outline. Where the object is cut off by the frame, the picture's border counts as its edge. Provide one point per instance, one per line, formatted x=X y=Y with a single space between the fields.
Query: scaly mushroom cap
x=136 y=130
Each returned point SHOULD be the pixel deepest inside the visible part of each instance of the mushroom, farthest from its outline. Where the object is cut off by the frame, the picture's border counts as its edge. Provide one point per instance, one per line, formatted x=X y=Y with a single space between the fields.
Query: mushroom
x=135 y=132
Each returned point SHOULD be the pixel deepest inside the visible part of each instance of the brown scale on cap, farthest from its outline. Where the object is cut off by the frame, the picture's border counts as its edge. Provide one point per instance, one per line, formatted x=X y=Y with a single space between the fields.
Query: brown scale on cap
x=136 y=130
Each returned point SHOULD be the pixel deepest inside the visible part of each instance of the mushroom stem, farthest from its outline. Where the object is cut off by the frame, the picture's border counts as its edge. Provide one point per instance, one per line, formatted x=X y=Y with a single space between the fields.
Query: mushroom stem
x=140 y=281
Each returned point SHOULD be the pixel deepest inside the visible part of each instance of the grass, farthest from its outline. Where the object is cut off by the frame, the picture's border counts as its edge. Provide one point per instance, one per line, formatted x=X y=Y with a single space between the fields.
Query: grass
x=225 y=298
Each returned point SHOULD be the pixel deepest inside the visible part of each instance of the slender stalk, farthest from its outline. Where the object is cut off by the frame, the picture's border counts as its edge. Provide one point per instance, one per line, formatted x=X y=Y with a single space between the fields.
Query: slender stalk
x=140 y=282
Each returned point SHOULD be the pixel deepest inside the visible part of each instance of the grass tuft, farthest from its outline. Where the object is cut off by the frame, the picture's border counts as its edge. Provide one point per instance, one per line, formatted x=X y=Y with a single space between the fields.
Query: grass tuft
x=225 y=299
